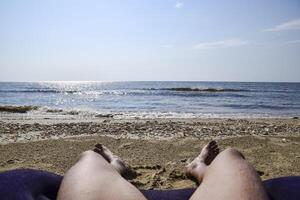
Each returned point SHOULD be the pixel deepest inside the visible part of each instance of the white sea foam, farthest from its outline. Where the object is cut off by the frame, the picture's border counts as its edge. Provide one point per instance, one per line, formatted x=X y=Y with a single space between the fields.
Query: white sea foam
x=86 y=114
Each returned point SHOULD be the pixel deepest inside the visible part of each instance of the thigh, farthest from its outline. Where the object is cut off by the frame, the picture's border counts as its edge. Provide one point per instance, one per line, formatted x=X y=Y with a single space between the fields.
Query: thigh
x=93 y=178
x=230 y=177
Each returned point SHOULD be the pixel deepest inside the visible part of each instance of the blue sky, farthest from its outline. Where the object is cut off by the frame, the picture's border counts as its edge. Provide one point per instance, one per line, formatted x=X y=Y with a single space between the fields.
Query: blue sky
x=123 y=40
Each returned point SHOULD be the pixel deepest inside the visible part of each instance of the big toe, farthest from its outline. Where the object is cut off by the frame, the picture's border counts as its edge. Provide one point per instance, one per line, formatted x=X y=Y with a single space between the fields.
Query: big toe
x=102 y=150
x=213 y=151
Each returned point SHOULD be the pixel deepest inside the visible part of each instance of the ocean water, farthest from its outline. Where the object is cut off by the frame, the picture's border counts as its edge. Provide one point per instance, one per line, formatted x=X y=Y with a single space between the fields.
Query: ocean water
x=156 y=99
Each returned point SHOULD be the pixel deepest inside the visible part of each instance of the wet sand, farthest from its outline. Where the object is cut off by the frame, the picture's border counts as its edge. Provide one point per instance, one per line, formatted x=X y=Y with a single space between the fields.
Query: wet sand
x=157 y=149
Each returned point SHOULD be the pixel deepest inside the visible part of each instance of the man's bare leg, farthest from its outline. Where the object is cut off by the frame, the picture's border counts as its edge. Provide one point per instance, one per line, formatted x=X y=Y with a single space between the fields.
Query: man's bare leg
x=97 y=176
x=228 y=177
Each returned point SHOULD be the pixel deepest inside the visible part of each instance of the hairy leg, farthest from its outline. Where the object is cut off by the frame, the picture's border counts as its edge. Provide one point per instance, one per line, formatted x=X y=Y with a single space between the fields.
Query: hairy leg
x=94 y=178
x=228 y=176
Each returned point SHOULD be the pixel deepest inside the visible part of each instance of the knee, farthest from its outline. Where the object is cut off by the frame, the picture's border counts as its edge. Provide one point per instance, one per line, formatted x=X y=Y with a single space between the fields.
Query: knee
x=232 y=152
x=87 y=155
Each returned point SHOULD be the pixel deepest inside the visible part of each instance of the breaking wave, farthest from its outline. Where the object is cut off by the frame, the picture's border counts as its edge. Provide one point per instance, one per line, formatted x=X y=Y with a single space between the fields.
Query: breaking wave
x=187 y=89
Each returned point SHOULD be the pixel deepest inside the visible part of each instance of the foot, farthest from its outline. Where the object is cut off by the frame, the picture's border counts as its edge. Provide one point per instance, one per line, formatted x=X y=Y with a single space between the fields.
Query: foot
x=121 y=167
x=196 y=169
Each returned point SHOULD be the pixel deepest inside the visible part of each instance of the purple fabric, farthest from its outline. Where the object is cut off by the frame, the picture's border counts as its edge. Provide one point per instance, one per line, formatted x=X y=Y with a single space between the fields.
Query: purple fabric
x=283 y=188
x=179 y=194
x=28 y=184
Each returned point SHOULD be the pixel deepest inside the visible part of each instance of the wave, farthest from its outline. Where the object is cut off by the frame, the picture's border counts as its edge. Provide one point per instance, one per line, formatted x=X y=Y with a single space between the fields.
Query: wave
x=180 y=92
x=187 y=89
x=79 y=112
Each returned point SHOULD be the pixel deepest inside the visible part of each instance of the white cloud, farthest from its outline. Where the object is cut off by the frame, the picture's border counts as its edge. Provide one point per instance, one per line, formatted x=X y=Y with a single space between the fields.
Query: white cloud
x=287 y=26
x=221 y=44
x=179 y=5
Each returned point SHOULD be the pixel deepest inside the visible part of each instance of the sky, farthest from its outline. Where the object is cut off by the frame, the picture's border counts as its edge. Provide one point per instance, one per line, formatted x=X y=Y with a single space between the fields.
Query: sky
x=150 y=40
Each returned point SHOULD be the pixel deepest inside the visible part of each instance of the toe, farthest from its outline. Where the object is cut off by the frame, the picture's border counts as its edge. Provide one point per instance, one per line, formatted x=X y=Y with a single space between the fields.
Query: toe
x=213 y=148
x=212 y=143
x=99 y=146
x=216 y=151
x=97 y=150
x=100 y=150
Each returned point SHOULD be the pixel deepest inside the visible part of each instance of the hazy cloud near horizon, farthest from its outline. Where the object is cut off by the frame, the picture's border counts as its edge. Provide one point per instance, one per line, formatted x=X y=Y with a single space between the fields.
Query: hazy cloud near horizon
x=221 y=44
x=150 y=40
x=287 y=26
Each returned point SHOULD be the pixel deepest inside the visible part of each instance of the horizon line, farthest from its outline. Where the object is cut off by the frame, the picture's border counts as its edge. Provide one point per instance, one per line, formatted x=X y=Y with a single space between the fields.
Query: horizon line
x=154 y=81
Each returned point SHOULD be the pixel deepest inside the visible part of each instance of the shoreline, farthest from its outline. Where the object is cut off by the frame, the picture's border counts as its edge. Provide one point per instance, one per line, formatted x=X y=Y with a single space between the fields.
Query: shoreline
x=37 y=112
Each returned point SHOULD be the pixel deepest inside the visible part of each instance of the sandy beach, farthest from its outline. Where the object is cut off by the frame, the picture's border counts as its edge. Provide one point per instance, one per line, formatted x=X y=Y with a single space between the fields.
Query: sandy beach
x=158 y=149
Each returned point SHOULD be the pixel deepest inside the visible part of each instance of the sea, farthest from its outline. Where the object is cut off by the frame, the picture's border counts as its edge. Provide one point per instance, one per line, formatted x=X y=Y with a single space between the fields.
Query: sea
x=154 y=99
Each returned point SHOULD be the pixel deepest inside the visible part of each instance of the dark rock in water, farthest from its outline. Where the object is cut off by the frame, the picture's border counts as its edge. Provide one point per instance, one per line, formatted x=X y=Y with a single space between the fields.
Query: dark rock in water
x=204 y=90
x=295 y=117
x=17 y=109
x=54 y=110
x=73 y=113
x=104 y=115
